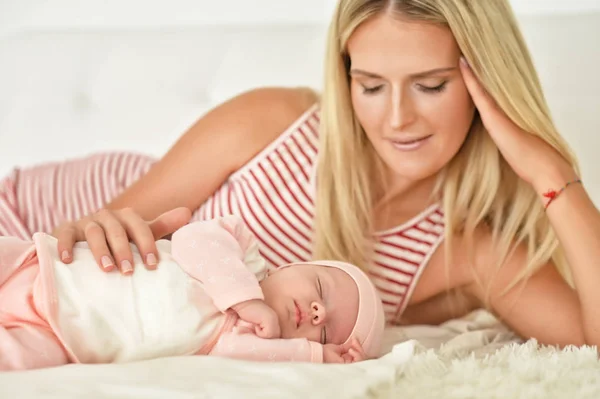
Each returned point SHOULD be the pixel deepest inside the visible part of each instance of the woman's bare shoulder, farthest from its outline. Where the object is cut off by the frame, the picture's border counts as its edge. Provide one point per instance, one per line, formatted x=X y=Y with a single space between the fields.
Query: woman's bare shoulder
x=264 y=114
x=276 y=106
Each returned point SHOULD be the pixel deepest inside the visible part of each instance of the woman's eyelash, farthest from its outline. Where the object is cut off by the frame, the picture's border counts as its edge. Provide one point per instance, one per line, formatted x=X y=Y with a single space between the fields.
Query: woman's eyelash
x=426 y=89
x=436 y=89
x=371 y=90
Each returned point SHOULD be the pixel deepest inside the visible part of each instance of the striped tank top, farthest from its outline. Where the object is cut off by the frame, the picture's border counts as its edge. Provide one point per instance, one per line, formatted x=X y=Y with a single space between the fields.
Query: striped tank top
x=273 y=193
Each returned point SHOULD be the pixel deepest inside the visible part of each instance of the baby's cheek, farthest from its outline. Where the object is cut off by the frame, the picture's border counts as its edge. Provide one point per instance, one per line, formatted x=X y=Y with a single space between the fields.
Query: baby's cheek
x=286 y=331
x=289 y=333
x=345 y=326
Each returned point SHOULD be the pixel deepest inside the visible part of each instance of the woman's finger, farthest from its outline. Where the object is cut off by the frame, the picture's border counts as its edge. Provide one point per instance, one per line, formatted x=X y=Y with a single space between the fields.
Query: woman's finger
x=117 y=239
x=67 y=236
x=141 y=234
x=94 y=235
x=169 y=222
x=500 y=127
x=483 y=101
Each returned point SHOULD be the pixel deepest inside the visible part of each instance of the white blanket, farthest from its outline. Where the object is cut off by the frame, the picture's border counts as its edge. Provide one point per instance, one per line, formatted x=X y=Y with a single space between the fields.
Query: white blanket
x=472 y=357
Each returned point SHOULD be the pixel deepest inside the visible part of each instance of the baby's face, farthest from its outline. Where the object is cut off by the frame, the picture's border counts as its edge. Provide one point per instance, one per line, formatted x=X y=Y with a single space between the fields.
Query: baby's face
x=315 y=302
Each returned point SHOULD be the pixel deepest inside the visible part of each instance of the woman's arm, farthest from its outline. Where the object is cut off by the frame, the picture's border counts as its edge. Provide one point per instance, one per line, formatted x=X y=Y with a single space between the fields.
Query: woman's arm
x=217 y=145
x=545 y=307
x=576 y=222
x=542 y=306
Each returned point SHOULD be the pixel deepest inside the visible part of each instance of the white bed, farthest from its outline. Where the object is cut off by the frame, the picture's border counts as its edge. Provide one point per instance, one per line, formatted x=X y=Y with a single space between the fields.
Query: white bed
x=474 y=357
x=126 y=75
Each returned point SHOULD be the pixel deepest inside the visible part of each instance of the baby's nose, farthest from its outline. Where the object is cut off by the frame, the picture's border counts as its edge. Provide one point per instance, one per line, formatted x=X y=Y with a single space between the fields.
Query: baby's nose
x=318 y=313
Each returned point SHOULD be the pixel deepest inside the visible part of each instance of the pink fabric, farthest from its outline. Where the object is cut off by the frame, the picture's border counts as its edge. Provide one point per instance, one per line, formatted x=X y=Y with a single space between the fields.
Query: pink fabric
x=26 y=340
x=213 y=253
x=217 y=254
x=221 y=254
x=41 y=197
x=242 y=343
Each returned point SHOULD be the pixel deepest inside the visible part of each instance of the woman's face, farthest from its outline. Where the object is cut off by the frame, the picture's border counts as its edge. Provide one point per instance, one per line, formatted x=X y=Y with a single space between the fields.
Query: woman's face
x=409 y=95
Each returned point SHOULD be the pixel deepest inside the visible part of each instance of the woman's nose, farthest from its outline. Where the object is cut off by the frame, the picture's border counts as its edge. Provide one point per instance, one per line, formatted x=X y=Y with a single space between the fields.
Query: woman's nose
x=318 y=313
x=402 y=111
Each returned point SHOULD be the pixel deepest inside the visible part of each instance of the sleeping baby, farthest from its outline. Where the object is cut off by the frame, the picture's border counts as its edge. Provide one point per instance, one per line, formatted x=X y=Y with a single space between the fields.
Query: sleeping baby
x=210 y=295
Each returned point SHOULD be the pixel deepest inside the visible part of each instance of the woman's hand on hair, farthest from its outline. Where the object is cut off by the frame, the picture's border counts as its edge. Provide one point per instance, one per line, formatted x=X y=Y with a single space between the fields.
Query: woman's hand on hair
x=532 y=158
x=108 y=234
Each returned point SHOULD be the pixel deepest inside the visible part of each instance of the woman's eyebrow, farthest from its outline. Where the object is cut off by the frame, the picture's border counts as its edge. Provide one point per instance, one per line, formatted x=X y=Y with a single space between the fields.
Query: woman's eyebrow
x=365 y=73
x=422 y=74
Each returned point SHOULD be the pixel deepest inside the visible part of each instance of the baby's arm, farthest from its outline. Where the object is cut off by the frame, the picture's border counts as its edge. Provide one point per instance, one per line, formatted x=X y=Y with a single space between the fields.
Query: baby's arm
x=210 y=253
x=252 y=347
x=215 y=252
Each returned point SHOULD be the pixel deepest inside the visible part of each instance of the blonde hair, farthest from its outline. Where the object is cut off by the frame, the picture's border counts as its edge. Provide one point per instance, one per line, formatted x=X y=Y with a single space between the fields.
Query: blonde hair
x=477 y=187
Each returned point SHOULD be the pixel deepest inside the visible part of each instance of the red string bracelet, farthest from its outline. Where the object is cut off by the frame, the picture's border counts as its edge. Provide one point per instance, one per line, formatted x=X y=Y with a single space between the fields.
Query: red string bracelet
x=553 y=194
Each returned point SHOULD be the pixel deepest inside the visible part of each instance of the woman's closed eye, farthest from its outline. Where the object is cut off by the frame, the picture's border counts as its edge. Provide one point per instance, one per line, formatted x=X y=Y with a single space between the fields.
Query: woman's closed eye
x=371 y=89
x=432 y=89
x=424 y=88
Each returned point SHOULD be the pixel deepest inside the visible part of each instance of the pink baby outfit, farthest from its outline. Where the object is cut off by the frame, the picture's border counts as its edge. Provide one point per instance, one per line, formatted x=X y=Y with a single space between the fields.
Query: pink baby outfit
x=52 y=313
x=26 y=339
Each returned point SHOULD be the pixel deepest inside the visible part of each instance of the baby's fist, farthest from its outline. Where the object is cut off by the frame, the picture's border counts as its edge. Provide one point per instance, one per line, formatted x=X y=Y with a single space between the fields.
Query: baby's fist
x=262 y=316
x=350 y=352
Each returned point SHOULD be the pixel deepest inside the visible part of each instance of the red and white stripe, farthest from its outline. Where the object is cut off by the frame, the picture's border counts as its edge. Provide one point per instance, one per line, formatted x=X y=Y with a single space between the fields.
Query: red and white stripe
x=40 y=198
x=273 y=193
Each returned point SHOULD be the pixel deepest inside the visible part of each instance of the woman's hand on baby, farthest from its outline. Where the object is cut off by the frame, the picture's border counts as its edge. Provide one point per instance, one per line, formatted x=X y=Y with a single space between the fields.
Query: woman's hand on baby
x=532 y=159
x=350 y=352
x=261 y=315
x=108 y=234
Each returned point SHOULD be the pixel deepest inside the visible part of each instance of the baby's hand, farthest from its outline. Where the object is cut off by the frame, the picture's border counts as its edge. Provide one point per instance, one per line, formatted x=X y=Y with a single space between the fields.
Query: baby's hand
x=257 y=312
x=350 y=352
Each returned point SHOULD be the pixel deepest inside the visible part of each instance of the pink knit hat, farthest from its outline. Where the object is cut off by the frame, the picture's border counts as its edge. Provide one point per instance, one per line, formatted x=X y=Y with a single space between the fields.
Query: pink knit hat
x=370 y=322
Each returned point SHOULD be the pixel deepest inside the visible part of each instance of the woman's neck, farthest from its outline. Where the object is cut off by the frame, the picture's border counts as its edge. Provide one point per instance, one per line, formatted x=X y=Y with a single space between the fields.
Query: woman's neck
x=401 y=200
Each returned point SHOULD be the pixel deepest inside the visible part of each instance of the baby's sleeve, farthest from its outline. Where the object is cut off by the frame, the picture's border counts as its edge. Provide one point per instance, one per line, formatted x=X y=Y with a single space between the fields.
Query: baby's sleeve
x=252 y=347
x=210 y=253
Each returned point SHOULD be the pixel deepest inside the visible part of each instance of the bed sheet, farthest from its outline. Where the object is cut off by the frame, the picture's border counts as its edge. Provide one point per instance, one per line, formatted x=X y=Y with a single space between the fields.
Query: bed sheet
x=211 y=377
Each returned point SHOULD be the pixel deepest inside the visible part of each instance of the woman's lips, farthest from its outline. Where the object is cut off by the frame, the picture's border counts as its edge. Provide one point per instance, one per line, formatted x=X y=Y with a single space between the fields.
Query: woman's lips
x=410 y=145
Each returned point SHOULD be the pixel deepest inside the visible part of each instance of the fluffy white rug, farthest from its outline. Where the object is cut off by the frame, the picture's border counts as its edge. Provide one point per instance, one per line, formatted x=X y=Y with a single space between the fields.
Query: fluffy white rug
x=513 y=371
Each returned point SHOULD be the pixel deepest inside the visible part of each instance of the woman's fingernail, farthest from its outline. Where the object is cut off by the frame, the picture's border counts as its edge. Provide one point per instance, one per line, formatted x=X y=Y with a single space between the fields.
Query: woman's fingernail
x=64 y=255
x=107 y=263
x=463 y=61
x=126 y=267
x=151 y=260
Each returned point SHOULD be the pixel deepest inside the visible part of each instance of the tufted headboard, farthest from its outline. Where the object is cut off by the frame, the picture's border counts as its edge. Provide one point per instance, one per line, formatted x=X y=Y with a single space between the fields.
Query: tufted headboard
x=75 y=86
x=72 y=92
